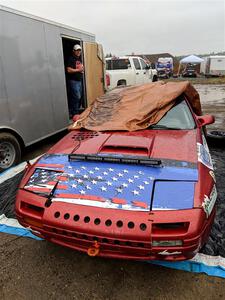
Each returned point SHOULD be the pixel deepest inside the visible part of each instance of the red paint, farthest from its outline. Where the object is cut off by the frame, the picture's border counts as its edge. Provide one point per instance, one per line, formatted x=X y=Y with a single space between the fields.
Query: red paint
x=39 y=189
x=52 y=182
x=62 y=178
x=140 y=204
x=168 y=144
x=119 y=201
x=38 y=165
x=62 y=187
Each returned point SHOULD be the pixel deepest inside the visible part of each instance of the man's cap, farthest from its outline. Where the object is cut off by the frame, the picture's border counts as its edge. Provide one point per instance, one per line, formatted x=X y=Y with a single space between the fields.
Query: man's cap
x=76 y=47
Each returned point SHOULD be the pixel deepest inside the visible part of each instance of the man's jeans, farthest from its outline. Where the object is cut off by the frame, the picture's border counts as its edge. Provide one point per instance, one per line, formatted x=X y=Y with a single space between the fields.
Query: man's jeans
x=75 y=96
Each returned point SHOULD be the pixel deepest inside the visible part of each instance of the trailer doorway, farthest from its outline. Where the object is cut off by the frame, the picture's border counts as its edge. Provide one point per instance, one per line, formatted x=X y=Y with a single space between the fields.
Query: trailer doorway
x=67 y=44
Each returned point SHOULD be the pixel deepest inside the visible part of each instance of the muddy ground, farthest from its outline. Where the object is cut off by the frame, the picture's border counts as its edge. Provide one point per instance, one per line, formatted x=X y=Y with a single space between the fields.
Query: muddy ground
x=39 y=270
x=33 y=269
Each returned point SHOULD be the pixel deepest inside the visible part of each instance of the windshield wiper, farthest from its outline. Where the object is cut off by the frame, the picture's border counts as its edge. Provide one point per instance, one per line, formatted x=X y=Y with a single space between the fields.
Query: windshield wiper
x=44 y=194
x=163 y=127
x=50 y=196
x=35 y=192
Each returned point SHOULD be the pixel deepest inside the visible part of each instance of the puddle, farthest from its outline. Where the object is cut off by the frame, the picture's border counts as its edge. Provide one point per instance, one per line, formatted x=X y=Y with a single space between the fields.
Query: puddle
x=213 y=102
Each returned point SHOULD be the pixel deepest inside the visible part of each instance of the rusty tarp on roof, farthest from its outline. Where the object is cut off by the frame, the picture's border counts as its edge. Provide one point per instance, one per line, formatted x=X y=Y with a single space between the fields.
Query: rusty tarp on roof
x=137 y=107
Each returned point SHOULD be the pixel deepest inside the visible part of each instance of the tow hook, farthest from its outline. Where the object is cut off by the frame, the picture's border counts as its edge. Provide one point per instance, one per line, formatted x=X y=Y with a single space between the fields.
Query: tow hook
x=94 y=250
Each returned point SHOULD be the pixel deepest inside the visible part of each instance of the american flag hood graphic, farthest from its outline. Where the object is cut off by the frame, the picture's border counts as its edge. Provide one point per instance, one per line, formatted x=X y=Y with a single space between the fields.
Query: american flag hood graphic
x=113 y=185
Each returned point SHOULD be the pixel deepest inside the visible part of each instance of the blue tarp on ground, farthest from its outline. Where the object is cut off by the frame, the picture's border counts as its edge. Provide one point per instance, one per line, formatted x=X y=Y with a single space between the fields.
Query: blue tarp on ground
x=193 y=266
x=18 y=231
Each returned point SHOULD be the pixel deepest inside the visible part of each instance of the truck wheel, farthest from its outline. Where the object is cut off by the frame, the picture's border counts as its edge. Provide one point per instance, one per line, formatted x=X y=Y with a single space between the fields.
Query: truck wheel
x=155 y=78
x=10 y=150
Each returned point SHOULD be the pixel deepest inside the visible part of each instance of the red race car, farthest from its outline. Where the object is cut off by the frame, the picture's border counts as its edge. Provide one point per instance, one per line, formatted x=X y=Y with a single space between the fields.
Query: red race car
x=133 y=179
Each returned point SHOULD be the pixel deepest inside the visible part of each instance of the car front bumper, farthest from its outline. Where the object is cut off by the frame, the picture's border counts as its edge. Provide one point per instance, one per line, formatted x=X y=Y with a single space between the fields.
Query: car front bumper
x=115 y=233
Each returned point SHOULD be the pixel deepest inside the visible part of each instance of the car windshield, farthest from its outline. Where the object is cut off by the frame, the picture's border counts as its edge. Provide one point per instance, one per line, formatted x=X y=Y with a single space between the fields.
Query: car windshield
x=117 y=64
x=178 y=117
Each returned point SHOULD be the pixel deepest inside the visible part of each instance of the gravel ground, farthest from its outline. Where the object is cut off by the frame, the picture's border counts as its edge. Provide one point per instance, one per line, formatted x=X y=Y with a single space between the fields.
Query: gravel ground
x=33 y=269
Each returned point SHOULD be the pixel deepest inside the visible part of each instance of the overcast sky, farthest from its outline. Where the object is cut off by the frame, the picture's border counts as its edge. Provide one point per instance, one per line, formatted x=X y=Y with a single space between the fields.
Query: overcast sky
x=153 y=26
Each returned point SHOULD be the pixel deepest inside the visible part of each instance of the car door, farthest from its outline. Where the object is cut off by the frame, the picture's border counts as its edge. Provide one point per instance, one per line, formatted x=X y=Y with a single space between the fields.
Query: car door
x=138 y=71
x=146 y=72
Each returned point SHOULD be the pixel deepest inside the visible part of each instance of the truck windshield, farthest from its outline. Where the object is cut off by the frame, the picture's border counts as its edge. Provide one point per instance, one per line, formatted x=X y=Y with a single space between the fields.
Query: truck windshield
x=117 y=64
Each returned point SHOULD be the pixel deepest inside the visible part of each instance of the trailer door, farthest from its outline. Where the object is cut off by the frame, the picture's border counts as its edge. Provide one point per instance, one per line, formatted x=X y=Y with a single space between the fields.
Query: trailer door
x=94 y=64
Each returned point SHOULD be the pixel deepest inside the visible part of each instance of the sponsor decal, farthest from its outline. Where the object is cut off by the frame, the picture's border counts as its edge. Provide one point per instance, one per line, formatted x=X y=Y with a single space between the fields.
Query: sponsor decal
x=203 y=154
x=209 y=201
x=213 y=175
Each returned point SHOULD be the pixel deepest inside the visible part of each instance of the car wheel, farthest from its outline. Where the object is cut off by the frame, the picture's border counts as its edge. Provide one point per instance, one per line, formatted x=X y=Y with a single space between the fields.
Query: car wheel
x=10 y=150
x=155 y=78
x=216 y=134
x=216 y=138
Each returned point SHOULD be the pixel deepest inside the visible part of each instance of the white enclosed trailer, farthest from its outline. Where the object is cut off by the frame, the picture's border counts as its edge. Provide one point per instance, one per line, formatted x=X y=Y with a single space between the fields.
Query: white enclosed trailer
x=214 y=65
x=33 y=80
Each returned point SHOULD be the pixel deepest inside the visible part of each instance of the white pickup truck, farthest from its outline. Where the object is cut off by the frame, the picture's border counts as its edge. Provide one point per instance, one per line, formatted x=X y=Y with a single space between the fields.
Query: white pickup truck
x=128 y=70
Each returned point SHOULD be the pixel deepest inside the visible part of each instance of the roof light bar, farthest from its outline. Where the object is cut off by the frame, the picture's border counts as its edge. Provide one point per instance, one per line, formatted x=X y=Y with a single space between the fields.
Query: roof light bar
x=120 y=160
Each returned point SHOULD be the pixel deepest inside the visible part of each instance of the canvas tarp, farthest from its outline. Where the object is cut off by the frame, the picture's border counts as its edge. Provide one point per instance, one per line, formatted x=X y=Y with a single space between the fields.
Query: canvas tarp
x=135 y=108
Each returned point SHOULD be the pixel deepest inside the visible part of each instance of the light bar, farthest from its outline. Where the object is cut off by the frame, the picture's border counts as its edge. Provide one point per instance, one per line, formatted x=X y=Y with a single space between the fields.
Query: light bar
x=119 y=160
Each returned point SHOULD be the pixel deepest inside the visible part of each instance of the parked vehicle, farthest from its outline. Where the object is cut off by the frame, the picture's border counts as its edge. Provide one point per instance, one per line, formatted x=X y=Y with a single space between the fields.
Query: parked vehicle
x=33 y=90
x=164 y=67
x=189 y=71
x=213 y=65
x=128 y=70
x=135 y=194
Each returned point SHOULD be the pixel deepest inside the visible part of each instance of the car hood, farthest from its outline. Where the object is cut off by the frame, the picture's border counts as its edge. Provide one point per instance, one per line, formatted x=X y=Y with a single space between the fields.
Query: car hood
x=127 y=186
x=164 y=144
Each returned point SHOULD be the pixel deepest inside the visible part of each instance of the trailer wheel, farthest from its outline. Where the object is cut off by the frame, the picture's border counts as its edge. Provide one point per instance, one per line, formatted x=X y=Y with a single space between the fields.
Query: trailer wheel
x=10 y=150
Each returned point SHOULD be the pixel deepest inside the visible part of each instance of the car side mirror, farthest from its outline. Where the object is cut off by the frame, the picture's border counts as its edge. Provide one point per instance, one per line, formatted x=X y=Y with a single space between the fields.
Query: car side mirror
x=205 y=120
x=147 y=67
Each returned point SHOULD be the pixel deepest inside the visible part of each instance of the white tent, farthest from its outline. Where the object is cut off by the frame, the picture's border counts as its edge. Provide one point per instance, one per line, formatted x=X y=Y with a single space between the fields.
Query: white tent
x=191 y=59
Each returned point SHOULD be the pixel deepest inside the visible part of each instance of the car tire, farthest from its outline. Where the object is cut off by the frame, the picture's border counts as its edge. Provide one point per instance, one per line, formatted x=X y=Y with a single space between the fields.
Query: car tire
x=216 y=134
x=155 y=78
x=10 y=151
x=216 y=138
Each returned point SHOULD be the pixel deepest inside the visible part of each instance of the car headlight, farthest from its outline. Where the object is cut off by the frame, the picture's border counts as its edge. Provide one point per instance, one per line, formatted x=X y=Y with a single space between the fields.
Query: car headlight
x=173 y=195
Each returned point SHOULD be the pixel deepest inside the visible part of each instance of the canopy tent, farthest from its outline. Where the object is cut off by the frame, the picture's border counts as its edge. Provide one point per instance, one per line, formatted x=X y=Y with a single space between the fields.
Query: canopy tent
x=191 y=59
